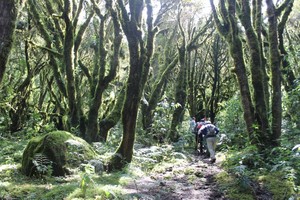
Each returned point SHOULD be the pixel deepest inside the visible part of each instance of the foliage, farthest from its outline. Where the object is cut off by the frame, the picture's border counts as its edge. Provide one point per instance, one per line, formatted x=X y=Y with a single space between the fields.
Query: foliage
x=42 y=165
x=248 y=157
x=160 y=126
x=86 y=180
x=280 y=187
x=231 y=123
x=272 y=169
x=232 y=188
x=291 y=125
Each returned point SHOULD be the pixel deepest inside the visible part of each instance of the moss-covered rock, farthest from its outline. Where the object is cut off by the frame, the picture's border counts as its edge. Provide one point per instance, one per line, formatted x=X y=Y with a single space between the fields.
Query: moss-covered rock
x=55 y=153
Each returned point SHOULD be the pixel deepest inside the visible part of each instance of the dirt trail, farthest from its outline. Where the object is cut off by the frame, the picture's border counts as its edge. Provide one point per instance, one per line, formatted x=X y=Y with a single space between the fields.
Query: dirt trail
x=187 y=180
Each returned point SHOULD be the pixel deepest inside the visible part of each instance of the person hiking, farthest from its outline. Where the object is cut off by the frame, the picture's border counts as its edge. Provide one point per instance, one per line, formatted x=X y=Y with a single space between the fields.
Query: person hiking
x=209 y=132
x=199 y=138
x=193 y=129
x=192 y=124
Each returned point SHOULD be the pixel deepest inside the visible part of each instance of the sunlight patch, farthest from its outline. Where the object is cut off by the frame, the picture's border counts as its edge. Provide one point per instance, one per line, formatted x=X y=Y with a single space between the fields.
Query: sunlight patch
x=4 y=184
x=7 y=167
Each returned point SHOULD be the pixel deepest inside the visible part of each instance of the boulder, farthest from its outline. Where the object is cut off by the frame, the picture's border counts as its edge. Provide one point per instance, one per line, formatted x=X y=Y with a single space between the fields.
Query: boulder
x=55 y=154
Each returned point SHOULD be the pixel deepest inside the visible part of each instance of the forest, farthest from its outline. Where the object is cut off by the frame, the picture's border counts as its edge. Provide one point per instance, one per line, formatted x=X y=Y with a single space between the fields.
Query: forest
x=97 y=98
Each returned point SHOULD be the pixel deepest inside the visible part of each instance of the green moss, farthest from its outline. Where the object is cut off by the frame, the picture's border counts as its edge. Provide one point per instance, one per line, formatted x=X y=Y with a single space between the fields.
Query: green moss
x=60 y=147
x=231 y=188
x=280 y=187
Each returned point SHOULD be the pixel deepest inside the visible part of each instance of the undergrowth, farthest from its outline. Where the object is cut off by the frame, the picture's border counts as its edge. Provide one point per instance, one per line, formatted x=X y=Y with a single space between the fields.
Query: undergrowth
x=249 y=173
x=84 y=183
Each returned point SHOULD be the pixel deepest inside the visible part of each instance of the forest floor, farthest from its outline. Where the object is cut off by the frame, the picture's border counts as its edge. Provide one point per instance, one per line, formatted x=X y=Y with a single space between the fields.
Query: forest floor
x=163 y=172
x=185 y=180
x=156 y=173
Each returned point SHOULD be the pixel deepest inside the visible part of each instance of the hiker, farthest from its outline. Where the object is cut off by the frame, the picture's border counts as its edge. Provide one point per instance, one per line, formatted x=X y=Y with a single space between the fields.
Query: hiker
x=209 y=132
x=199 y=138
x=193 y=129
x=192 y=124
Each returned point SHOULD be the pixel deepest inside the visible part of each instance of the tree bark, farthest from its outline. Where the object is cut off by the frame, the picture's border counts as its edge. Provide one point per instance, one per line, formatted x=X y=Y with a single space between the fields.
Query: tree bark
x=68 y=52
x=92 y=133
x=156 y=93
x=276 y=74
x=112 y=118
x=287 y=73
x=180 y=94
x=257 y=76
x=229 y=30
x=8 y=15
x=140 y=56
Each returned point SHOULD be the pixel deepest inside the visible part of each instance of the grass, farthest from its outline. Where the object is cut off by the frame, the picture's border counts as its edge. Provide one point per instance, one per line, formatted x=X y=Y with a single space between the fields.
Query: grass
x=158 y=160
x=15 y=185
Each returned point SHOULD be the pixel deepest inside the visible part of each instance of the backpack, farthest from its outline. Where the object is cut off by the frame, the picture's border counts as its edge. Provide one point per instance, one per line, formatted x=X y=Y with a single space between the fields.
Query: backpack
x=210 y=131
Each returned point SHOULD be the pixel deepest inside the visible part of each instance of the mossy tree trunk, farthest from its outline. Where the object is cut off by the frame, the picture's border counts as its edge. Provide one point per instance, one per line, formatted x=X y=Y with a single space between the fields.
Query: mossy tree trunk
x=275 y=63
x=287 y=72
x=62 y=46
x=112 y=118
x=255 y=112
x=180 y=94
x=156 y=94
x=140 y=54
x=188 y=44
x=68 y=53
x=219 y=58
x=260 y=99
x=229 y=30
x=20 y=103
x=8 y=15
x=92 y=133
x=163 y=63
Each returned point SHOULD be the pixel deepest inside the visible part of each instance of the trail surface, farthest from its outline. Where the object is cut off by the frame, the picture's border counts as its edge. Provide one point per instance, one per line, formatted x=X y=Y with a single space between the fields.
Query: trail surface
x=186 y=180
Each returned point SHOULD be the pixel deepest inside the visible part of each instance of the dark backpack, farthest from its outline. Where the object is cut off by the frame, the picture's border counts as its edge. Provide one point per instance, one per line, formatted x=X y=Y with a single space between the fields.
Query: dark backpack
x=210 y=131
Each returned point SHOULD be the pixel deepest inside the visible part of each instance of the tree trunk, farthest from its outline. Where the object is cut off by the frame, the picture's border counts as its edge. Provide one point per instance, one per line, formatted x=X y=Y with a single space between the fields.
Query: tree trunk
x=180 y=94
x=276 y=74
x=257 y=75
x=103 y=81
x=139 y=67
x=156 y=94
x=69 y=64
x=236 y=51
x=113 y=117
x=229 y=30
x=287 y=72
x=8 y=15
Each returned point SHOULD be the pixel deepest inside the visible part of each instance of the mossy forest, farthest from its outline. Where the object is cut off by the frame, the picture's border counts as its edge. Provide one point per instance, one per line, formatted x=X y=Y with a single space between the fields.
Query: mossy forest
x=98 y=96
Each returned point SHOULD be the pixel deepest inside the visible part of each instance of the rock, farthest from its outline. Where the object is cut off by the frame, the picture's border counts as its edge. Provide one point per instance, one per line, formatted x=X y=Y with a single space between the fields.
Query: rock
x=98 y=166
x=54 y=154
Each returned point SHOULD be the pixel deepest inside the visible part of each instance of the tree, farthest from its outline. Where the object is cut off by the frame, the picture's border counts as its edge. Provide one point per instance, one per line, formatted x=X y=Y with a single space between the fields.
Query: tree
x=255 y=111
x=188 y=44
x=8 y=15
x=164 y=61
x=140 y=53
x=92 y=133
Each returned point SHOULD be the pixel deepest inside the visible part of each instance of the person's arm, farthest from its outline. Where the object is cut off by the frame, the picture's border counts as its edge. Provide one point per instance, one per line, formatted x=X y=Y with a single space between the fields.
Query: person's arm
x=217 y=130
